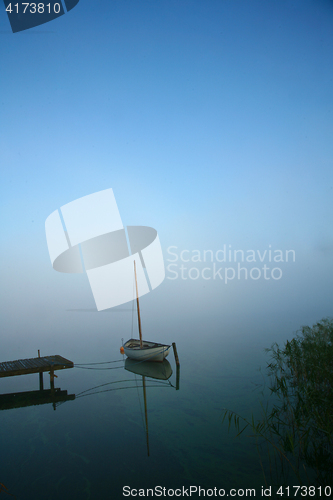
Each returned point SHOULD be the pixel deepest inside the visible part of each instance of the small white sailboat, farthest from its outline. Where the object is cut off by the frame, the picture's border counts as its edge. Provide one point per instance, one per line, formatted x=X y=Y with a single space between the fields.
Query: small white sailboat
x=143 y=350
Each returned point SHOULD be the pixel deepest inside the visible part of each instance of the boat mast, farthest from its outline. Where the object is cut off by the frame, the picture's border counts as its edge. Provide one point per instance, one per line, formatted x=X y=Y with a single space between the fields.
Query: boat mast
x=137 y=301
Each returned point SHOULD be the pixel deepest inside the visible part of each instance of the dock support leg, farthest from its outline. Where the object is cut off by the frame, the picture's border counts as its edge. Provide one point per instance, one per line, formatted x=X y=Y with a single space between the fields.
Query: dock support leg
x=41 y=385
x=52 y=380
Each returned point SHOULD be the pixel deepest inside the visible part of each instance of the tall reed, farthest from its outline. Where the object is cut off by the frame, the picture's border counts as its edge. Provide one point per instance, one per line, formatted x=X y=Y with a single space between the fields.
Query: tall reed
x=296 y=421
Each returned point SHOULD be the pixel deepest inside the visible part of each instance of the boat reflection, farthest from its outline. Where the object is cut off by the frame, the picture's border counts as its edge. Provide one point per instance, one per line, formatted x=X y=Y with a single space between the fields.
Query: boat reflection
x=159 y=371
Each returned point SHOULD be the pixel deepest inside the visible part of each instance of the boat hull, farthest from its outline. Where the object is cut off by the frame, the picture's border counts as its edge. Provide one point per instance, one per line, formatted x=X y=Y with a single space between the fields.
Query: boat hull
x=150 y=351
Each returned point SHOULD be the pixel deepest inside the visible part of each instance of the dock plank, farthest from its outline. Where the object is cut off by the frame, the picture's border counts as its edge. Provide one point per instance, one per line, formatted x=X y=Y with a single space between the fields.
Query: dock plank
x=34 y=365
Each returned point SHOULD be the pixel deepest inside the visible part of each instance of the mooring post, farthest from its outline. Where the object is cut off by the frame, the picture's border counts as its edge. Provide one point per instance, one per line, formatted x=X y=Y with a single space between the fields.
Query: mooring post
x=177 y=377
x=177 y=365
x=175 y=353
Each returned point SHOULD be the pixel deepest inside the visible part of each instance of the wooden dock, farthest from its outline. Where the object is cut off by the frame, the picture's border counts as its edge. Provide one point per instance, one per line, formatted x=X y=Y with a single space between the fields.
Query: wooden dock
x=34 y=365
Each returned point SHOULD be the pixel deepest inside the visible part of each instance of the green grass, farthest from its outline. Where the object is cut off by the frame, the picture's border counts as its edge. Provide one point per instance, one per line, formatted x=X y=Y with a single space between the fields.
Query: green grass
x=296 y=422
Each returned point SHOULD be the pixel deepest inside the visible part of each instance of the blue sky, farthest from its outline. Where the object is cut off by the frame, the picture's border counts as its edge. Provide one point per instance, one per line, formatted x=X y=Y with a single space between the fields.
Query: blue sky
x=211 y=121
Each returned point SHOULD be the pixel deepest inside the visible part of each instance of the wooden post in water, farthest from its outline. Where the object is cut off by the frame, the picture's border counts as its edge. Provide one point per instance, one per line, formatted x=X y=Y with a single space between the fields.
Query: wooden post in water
x=41 y=385
x=177 y=365
x=177 y=377
x=175 y=353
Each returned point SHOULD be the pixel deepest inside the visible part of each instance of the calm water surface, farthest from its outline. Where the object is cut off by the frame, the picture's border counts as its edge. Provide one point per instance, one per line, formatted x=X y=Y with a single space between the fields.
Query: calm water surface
x=93 y=446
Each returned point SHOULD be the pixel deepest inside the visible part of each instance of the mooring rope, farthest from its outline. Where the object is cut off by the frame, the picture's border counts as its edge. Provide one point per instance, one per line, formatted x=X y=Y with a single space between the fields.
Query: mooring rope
x=102 y=363
x=102 y=385
x=88 y=368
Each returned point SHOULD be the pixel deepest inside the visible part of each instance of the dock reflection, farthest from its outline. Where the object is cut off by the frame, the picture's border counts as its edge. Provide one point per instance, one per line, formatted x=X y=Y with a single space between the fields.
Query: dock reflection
x=156 y=373
x=33 y=398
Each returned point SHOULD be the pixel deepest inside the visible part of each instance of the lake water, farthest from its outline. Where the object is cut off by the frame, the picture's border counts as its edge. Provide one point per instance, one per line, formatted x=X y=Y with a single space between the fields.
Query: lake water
x=94 y=445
